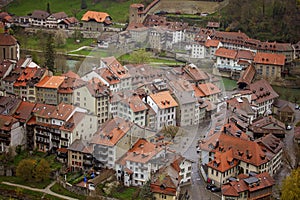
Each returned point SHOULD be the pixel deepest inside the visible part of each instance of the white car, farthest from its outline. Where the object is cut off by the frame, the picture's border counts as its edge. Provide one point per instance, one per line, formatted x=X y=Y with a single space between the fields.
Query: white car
x=288 y=127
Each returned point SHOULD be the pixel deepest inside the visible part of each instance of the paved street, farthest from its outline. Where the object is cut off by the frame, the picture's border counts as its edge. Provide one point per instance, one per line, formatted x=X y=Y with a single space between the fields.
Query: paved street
x=289 y=145
x=185 y=143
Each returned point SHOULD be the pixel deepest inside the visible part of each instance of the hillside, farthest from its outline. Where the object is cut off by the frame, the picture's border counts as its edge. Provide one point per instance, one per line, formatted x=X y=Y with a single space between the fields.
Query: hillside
x=117 y=9
x=264 y=19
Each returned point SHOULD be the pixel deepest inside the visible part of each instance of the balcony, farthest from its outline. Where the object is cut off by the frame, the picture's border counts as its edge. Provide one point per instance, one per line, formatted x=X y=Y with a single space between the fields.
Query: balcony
x=87 y=163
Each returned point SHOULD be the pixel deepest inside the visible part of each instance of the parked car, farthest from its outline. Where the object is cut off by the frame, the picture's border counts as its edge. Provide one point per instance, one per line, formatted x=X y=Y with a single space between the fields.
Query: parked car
x=215 y=189
x=289 y=127
x=210 y=186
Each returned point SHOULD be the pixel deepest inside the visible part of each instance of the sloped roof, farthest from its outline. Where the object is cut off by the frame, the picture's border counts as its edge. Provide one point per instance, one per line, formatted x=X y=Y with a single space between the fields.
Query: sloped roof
x=39 y=14
x=80 y=146
x=141 y=152
x=50 y=82
x=94 y=15
x=7 y=40
x=269 y=58
x=226 y=53
x=248 y=75
x=209 y=89
x=163 y=100
x=23 y=112
x=262 y=91
x=6 y=122
x=112 y=131
x=245 y=150
x=223 y=161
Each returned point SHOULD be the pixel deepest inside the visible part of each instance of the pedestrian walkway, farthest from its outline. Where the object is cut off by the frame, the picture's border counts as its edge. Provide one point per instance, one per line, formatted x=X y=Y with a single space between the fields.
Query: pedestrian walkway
x=46 y=190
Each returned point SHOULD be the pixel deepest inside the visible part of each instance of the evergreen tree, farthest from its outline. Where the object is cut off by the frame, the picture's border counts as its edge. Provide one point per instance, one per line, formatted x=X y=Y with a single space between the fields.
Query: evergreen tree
x=83 y=4
x=50 y=53
x=48 y=8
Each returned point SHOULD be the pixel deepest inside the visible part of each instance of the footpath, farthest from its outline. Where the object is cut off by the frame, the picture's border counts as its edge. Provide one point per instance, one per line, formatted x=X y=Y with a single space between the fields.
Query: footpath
x=46 y=190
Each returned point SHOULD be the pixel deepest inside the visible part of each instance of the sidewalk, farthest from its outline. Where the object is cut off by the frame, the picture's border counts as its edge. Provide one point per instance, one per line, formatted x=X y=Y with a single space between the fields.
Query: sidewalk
x=46 y=190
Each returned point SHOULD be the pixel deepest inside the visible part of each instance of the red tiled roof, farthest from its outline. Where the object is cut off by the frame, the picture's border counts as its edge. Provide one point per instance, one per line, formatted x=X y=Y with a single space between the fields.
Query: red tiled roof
x=245 y=150
x=163 y=100
x=226 y=53
x=249 y=183
x=51 y=82
x=97 y=16
x=223 y=161
x=6 y=122
x=248 y=75
x=195 y=73
x=212 y=43
x=208 y=89
x=23 y=112
x=269 y=59
x=111 y=132
x=141 y=152
x=262 y=91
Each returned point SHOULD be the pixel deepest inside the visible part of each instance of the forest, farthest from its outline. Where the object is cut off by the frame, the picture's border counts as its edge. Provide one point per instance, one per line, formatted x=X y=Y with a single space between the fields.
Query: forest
x=266 y=20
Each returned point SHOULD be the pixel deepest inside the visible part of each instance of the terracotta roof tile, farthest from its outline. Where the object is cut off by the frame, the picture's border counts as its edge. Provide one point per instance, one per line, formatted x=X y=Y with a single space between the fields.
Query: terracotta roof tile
x=212 y=43
x=262 y=91
x=141 y=152
x=51 y=82
x=209 y=89
x=7 y=40
x=245 y=150
x=23 y=112
x=269 y=59
x=226 y=53
x=111 y=132
x=97 y=16
x=248 y=75
x=163 y=100
x=6 y=122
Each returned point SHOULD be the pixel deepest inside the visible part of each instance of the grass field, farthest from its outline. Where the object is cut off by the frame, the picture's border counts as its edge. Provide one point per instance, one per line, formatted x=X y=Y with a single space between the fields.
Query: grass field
x=117 y=10
x=60 y=190
x=11 y=191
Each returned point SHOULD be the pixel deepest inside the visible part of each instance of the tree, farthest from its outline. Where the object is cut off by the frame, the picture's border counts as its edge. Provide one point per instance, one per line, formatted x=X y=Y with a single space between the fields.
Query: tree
x=140 y=56
x=145 y=192
x=60 y=38
x=83 y=4
x=25 y=169
x=48 y=8
x=290 y=188
x=42 y=171
x=49 y=53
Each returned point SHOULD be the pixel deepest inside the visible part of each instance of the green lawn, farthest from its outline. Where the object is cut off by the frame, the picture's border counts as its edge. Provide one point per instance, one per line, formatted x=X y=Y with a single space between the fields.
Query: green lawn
x=117 y=10
x=60 y=190
x=95 y=53
x=10 y=191
x=17 y=180
x=125 y=193
x=229 y=84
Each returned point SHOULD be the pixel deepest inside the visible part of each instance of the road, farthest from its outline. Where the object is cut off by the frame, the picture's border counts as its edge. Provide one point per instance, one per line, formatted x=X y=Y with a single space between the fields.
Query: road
x=185 y=143
x=289 y=146
x=46 y=190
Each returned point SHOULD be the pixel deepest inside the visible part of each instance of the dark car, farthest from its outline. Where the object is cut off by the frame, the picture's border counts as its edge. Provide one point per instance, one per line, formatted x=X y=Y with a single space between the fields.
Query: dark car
x=210 y=186
x=215 y=189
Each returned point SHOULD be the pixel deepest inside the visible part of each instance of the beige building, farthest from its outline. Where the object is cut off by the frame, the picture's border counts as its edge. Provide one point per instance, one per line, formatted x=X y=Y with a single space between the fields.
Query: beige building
x=111 y=141
x=24 y=84
x=95 y=21
x=47 y=89
x=95 y=97
x=80 y=155
x=9 y=47
x=269 y=65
